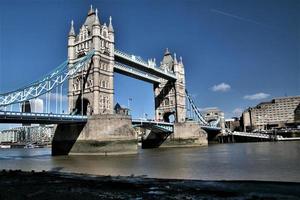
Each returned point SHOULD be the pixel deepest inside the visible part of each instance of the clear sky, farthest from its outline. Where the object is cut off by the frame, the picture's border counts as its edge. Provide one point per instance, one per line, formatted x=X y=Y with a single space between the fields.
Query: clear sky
x=236 y=53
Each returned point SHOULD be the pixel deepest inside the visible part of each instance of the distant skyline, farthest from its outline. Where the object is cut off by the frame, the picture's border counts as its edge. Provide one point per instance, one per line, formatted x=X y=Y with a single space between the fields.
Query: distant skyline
x=236 y=53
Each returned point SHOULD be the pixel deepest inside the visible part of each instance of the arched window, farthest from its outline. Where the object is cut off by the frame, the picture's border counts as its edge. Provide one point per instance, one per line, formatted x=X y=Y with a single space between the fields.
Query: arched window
x=166 y=101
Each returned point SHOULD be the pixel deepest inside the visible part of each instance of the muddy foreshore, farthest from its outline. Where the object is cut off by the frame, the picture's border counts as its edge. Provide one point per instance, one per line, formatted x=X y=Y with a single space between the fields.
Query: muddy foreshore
x=54 y=185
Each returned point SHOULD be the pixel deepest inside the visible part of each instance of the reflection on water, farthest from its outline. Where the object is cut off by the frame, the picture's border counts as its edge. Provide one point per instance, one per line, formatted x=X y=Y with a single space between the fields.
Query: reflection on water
x=277 y=161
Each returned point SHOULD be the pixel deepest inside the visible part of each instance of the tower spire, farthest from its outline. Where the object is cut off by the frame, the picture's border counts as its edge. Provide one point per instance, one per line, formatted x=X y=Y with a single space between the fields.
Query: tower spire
x=167 y=51
x=175 y=59
x=91 y=11
x=110 y=26
x=181 y=60
x=72 y=31
x=96 y=22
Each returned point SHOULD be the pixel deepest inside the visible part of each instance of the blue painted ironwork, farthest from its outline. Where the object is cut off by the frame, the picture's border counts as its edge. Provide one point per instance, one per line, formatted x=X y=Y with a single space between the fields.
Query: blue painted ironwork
x=162 y=126
x=46 y=84
x=130 y=71
x=145 y=66
x=40 y=118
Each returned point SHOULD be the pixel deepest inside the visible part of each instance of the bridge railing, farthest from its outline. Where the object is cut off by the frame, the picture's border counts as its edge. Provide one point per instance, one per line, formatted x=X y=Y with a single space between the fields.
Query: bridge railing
x=258 y=135
x=140 y=120
x=13 y=113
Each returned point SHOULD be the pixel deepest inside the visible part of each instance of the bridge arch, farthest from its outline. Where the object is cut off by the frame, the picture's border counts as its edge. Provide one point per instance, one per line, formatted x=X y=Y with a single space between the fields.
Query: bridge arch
x=169 y=117
x=82 y=107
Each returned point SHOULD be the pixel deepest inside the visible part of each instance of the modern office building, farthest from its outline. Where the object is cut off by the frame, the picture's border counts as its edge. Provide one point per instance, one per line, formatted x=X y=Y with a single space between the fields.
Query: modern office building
x=277 y=113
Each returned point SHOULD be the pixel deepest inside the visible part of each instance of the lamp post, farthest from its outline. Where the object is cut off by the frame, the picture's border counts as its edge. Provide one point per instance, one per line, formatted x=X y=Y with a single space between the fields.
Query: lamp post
x=128 y=105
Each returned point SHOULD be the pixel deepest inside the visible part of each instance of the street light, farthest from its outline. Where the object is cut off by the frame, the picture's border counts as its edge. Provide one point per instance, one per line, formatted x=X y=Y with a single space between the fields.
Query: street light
x=128 y=105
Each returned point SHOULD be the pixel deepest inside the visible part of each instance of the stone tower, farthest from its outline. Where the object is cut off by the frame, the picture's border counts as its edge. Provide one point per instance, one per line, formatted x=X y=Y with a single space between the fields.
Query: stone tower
x=91 y=89
x=169 y=95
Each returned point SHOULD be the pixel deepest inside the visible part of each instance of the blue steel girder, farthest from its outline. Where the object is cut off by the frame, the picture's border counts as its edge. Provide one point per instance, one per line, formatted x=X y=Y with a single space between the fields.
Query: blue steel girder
x=162 y=126
x=135 y=73
x=46 y=84
x=40 y=118
x=140 y=64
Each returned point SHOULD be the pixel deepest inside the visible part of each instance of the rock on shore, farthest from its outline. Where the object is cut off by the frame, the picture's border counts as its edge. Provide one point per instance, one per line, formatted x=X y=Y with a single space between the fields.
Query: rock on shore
x=53 y=185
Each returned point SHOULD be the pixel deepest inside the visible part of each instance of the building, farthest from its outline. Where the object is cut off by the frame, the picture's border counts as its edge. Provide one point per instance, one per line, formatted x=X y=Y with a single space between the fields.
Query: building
x=277 y=113
x=121 y=110
x=214 y=115
x=28 y=134
x=233 y=124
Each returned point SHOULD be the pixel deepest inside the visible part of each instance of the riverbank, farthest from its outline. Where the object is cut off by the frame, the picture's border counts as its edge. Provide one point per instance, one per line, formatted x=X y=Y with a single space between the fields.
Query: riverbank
x=54 y=185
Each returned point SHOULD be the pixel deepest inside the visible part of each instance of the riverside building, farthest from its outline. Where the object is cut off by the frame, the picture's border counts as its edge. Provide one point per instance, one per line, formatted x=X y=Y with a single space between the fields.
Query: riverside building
x=277 y=113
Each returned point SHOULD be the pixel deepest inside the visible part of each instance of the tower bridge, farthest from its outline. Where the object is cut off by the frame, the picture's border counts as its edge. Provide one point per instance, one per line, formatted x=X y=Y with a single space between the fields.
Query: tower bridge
x=91 y=126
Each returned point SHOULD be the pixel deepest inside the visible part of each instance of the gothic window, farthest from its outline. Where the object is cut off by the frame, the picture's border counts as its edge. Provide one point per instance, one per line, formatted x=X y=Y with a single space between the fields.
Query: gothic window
x=101 y=101
x=171 y=102
x=104 y=102
x=166 y=101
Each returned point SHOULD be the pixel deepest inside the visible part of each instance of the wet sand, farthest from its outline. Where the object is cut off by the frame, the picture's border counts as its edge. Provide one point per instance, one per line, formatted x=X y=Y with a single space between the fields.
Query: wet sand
x=54 y=185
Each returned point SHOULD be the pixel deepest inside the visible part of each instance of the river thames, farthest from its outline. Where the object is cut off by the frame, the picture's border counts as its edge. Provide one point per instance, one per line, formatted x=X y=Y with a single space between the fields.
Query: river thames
x=269 y=161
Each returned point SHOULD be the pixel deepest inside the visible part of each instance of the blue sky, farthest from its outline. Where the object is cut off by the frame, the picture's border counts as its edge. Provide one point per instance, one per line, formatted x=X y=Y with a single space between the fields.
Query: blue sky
x=236 y=53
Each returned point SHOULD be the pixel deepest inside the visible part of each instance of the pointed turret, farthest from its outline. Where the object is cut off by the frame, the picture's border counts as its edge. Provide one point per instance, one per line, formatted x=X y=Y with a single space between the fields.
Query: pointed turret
x=91 y=18
x=96 y=22
x=167 y=61
x=167 y=52
x=71 y=43
x=72 y=31
x=175 y=59
x=91 y=11
x=110 y=26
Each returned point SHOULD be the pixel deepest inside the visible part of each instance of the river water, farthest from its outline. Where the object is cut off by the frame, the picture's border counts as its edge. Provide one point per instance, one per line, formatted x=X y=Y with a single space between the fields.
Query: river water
x=272 y=161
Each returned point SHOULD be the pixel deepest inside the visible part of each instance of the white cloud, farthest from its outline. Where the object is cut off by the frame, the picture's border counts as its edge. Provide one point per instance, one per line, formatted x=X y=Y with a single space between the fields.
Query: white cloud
x=257 y=96
x=237 y=112
x=222 y=87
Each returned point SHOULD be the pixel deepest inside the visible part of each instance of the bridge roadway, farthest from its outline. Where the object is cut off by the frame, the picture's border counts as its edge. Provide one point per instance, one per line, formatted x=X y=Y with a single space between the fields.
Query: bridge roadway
x=50 y=118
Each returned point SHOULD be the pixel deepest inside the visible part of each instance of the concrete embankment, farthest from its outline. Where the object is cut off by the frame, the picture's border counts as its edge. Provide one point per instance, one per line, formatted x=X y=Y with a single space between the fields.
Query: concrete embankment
x=53 y=185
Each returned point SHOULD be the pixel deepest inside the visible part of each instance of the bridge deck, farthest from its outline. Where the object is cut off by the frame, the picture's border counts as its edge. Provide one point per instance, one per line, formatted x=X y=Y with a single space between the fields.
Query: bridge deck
x=39 y=118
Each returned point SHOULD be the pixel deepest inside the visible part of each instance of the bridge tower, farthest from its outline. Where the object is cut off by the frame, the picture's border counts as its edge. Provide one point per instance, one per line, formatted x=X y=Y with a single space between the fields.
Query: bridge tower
x=91 y=89
x=169 y=95
x=91 y=93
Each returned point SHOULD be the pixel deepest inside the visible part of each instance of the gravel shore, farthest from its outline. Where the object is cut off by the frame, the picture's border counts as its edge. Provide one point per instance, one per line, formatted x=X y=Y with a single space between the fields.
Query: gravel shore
x=53 y=185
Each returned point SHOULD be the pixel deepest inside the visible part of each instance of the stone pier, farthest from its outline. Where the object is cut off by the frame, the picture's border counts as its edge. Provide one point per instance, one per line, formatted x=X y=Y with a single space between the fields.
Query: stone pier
x=102 y=135
x=186 y=134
